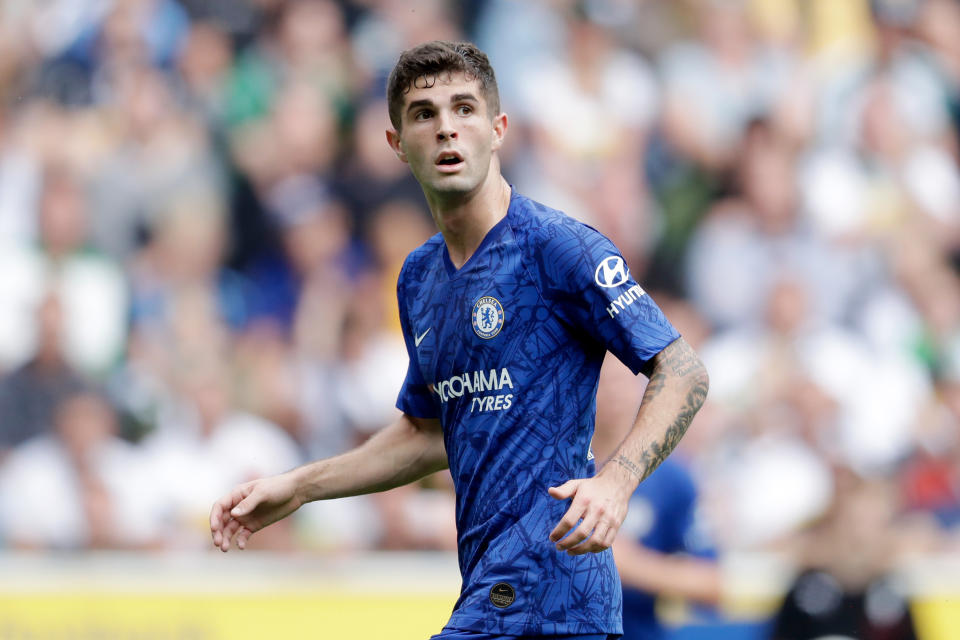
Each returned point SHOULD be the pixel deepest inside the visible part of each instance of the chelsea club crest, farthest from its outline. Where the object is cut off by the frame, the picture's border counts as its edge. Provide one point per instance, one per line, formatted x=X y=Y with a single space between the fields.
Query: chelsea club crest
x=487 y=317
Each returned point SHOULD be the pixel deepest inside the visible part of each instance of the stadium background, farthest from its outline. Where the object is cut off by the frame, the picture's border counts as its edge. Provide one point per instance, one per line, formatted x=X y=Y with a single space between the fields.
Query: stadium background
x=201 y=222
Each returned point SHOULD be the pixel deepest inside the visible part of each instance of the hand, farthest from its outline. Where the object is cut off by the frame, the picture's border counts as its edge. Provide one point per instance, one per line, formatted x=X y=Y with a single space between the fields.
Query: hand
x=251 y=507
x=601 y=503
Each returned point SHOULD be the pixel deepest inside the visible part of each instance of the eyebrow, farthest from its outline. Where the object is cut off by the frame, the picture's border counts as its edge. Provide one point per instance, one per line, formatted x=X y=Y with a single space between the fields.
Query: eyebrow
x=457 y=97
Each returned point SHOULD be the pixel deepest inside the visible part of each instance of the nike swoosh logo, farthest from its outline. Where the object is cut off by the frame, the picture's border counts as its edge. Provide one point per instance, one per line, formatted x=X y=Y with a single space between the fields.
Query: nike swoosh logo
x=417 y=340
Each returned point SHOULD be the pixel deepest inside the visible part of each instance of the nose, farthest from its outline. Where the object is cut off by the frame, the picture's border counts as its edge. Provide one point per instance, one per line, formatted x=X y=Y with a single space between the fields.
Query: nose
x=445 y=128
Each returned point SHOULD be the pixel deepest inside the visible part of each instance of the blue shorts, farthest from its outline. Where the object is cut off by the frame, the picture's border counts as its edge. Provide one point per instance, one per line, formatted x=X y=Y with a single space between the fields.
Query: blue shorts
x=458 y=634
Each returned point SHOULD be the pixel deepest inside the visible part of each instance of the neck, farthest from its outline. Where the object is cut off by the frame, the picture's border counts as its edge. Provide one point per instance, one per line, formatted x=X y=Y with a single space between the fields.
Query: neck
x=465 y=220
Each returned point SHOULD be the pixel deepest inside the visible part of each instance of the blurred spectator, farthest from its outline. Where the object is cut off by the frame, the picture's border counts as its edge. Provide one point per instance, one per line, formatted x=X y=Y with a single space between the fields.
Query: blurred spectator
x=204 y=65
x=420 y=516
x=240 y=19
x=748 y=242
x=90 y=286
x=938 y=24
x=890 y=179
x=847 y=586
x=305 y=44
x=518 y=38
x=181 y=269
x=773 y=416
x=296 y=143
x=20 y=179
x=591 y=111
x=930 y=480
x=30 y=394
x=161 y=153
x=385 y=28
x=203 y=446
x=311 y=284
x=715 y=85
x=79 y=486
x=371 y=177
x=372 y=359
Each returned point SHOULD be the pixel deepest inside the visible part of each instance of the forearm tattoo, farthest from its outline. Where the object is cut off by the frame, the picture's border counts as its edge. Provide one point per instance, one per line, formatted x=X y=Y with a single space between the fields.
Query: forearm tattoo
x=682 y=359
x=630 y=466
x=683 y=362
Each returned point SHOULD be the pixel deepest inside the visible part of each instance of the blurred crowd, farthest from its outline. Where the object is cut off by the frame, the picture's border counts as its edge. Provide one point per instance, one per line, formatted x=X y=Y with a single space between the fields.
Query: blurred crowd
x=201 y=226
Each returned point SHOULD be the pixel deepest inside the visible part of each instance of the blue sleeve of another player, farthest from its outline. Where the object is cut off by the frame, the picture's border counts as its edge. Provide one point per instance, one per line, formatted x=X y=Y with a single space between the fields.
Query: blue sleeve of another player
x=590 y=286
x=688 y=535
x=415 y=397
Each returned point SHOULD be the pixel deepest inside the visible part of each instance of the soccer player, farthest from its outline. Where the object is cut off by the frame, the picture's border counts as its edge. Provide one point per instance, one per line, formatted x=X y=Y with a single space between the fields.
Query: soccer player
x=661 y=551
x=507 y=314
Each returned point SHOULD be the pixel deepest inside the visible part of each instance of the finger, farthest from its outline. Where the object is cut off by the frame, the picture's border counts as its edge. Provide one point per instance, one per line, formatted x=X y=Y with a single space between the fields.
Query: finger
x=242 y=536
x=610 y=536
x=221 y=508
x=567 y=490
x=229 y=501
x=232 y=527
x=246 y=505
x=567 y=522
x=581 y=533
x=595 y=543
x=218 y=524
x=215 y=532
x=215 y=523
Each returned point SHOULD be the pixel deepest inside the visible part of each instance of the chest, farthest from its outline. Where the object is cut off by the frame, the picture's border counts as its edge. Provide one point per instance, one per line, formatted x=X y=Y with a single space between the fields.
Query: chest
x=473 y=321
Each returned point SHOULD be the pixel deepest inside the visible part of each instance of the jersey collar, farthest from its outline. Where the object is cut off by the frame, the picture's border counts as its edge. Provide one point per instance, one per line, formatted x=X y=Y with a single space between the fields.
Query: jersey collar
x=492 y=235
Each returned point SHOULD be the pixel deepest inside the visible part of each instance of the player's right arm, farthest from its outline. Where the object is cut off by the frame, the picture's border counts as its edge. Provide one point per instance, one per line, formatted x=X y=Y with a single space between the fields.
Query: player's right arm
x=406 y=450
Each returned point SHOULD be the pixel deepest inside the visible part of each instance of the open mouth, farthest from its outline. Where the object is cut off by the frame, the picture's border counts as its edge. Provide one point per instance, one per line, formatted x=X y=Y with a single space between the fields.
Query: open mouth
x=449 y=159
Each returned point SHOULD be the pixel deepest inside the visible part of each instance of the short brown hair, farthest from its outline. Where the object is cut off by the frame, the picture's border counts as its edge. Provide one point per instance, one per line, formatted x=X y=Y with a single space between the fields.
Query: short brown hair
x=431 y=59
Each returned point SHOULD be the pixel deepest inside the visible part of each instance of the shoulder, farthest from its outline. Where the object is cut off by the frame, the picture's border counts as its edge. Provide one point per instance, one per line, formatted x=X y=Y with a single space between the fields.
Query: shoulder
x=562 y=251
x=421 y=259
x=546 y=229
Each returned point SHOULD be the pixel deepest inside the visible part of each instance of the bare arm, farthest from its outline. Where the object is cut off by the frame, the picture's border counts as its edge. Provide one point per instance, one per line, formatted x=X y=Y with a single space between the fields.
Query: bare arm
x=677 y=388
x=671 y=575
x=676 y=391
x=406 y=450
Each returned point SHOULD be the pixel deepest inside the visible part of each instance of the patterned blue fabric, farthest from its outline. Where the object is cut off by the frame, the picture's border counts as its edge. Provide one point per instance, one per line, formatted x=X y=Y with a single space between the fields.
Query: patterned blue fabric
x=506 y=352
x=458 y=634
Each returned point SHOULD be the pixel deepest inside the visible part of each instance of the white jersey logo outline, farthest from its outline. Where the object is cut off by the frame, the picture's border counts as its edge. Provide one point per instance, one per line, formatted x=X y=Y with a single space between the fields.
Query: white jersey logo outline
x=418 y=339
x=611 y=272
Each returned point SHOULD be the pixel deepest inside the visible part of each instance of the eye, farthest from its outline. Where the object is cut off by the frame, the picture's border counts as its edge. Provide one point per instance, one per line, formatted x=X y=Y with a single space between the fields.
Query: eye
x=423 y=114
x=464 y=110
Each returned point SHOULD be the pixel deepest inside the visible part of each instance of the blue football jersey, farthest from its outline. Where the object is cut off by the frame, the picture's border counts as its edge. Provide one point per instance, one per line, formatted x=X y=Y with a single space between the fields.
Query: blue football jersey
x=506 y=352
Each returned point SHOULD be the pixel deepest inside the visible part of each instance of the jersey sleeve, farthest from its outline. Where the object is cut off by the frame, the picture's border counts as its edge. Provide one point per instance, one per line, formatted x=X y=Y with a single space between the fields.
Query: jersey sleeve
x=588 y=282
x=415 y=398
x=688 y=533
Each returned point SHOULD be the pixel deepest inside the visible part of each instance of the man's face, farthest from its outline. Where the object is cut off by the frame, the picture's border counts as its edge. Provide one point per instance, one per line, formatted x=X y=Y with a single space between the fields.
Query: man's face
x=447 y=135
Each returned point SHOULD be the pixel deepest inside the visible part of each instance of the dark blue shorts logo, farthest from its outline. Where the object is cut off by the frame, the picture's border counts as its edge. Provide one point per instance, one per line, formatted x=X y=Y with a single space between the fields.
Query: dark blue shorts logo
x=502 y=595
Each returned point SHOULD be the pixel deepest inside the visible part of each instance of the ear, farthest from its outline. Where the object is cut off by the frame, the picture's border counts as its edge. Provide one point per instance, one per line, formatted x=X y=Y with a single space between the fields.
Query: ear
x=393 y=139
x=499 y=130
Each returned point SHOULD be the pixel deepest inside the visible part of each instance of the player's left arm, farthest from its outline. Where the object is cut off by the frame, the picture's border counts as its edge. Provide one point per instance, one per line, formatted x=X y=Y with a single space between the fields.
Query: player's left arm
x=675 y=392
x=673 y=575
